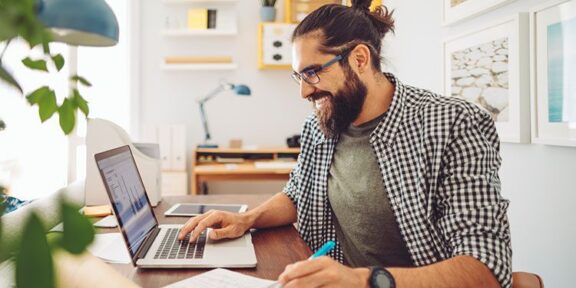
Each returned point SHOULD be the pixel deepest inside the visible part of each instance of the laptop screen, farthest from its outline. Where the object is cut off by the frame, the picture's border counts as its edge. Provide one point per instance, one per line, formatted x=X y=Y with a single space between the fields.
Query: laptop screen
x=127 y=195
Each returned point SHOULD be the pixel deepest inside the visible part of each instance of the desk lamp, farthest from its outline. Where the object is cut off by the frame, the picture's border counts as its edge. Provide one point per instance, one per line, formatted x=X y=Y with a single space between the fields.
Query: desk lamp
x=239 y=89
x=79 y=22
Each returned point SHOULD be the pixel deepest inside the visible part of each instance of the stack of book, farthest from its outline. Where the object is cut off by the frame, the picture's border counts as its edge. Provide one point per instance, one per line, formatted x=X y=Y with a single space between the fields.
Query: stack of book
x=201 y=18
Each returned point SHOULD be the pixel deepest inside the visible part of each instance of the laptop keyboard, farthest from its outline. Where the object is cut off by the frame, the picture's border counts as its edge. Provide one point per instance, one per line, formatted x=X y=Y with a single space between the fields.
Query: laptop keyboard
x=172 y=248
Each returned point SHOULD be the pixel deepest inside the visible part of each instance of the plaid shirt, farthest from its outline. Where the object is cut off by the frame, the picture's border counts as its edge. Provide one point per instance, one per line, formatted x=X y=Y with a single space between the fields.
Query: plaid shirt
x=439 y=160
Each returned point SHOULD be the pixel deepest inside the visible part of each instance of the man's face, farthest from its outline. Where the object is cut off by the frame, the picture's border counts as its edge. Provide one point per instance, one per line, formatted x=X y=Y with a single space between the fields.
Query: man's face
x=338 y=97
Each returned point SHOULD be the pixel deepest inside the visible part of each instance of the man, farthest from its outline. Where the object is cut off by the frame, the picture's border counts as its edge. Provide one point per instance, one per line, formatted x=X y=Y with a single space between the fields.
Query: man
x=405 y=181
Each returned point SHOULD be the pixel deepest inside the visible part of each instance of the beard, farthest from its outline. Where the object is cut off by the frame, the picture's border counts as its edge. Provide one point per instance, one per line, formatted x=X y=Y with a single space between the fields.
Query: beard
x=341 y=109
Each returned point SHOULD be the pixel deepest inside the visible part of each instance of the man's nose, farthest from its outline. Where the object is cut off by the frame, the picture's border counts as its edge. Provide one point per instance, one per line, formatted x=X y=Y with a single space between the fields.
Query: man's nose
x=306 y=89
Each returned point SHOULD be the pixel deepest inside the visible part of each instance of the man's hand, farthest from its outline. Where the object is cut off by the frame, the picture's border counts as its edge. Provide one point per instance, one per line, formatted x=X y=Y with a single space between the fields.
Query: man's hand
x=323 y=272
x=224 y=224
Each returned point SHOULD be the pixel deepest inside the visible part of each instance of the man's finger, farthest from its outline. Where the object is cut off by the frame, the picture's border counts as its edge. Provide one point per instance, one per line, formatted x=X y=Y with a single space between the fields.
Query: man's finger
x=209 y=221
x=302 y=268
x=189 y=226
x=226 y=232
x=321 y=278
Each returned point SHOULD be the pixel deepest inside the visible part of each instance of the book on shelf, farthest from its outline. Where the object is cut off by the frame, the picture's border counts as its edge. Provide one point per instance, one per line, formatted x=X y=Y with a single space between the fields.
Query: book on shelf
x=201 y=19
x=211 y=19
x=198 y=59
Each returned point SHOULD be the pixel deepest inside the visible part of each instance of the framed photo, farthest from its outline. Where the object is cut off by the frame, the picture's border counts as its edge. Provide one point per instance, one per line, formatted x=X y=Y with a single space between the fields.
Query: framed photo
x=458 y=10
x=490 y=67
x=274 y=45
x=553 y=61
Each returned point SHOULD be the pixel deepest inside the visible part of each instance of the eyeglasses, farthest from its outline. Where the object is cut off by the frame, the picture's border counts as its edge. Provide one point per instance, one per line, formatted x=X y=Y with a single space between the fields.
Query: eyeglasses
x=310 y=76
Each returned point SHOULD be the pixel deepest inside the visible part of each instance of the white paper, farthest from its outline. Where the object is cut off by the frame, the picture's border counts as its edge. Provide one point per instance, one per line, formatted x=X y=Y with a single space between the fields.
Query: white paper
x=107 y=222
x=111 y=248
x=222 y=278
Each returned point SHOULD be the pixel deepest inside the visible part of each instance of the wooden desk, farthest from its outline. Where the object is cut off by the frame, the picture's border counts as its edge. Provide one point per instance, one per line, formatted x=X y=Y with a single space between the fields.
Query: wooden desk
x=275 y=247
x=207 y=165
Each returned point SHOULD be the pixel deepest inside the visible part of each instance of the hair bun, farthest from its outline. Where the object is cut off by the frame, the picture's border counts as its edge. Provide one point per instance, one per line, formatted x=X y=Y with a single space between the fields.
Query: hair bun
x=363 y=5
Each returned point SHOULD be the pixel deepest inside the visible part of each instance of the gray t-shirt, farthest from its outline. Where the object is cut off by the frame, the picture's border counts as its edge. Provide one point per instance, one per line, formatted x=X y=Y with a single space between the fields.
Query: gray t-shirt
x=365 y=224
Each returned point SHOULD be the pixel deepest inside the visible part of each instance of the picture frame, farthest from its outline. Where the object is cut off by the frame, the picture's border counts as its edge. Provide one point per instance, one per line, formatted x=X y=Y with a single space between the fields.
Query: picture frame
x=490 y=67
x=275 y=45
x=553 y=76
x=459 y=10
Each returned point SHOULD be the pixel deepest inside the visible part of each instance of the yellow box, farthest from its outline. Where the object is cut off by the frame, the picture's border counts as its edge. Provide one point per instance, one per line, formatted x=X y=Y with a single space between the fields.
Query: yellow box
x=197 y=19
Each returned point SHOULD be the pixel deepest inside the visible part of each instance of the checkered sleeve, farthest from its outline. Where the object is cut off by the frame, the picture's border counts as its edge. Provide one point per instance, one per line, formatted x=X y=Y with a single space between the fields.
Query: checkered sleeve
x=473 y=217
x=291 y=189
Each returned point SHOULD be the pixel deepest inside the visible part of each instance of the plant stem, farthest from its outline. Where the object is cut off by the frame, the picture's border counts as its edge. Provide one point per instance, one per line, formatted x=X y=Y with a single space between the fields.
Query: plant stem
x=4 y=50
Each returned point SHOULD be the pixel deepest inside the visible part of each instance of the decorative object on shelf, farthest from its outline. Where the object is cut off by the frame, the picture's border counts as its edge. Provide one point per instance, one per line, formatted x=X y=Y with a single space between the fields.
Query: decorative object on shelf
x=293 y=141
x=268 y=11
x=274 y=45
x=296 y=10
x=553 y=63
x=201 y=19
x=458 y=10
x=489 y=67
x=239 y=89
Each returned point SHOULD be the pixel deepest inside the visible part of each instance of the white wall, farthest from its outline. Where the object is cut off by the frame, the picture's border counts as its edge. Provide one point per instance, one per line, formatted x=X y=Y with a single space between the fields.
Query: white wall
x=273 y=112
x=539 y=180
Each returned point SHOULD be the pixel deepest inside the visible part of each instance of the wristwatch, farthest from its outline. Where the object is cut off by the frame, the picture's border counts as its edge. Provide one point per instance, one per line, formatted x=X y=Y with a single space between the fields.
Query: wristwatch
x=381 y=278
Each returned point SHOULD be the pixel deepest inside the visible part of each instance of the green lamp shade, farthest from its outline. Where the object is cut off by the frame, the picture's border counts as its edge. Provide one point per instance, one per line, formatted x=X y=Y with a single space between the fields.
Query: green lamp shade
x=80 y=22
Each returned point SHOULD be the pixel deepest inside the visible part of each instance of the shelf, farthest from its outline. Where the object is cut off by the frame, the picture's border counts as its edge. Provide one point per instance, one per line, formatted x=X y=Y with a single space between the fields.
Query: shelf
x=206 y=32
x=198 y=67
x=199 y=1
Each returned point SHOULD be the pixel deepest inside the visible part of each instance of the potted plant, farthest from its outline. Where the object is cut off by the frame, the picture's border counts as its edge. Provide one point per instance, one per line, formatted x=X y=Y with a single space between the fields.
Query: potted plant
x=268 y=11
x=32 y=252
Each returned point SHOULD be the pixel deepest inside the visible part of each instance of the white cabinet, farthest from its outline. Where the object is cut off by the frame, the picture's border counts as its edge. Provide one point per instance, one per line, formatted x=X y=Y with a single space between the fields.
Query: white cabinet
x=174 y=183
x=172 y=142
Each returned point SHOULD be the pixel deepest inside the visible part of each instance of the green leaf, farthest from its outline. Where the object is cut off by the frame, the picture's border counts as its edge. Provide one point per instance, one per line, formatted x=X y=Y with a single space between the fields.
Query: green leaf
x=36 y=96
x=58 y=61
x=78 y=230
x=67 y=117
x=81 y=102
x=7 y=77
x=35 y=64
x=47 y=106
x=34 y=266
x=81 y=80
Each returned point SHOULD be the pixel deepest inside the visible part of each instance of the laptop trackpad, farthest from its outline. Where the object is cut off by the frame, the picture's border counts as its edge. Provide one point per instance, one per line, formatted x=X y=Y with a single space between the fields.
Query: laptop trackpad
x=228 y=243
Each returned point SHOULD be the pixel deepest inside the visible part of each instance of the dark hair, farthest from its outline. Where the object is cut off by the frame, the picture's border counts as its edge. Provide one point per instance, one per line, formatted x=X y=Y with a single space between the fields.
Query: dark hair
x=344 y=27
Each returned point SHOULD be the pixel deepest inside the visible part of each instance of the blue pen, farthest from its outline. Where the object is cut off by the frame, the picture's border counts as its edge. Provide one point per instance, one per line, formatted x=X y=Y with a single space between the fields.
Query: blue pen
x=325 y=249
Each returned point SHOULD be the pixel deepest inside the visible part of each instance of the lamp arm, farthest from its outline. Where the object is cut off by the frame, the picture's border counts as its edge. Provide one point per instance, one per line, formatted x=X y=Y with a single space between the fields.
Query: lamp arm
x=216 y=91
x=204 y=122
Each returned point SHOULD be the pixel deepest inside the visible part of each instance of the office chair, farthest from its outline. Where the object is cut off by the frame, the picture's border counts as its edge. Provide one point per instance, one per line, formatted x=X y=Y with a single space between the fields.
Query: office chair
x=526 y=280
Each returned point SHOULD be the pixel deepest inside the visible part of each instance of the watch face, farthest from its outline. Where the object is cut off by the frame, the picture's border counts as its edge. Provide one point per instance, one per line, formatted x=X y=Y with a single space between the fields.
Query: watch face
x=382 y=280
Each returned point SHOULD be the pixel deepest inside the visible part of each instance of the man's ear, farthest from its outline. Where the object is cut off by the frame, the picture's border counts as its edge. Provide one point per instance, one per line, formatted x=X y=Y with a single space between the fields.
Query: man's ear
x=359 y=58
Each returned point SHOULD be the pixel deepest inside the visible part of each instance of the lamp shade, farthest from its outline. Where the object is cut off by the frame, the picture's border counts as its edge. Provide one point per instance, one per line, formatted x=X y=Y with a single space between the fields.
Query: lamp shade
x=79 y=22
x=242 y=90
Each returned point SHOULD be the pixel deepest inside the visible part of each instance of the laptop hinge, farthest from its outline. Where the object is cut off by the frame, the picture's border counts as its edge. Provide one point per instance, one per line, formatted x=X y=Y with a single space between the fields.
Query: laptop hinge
x=141 y=253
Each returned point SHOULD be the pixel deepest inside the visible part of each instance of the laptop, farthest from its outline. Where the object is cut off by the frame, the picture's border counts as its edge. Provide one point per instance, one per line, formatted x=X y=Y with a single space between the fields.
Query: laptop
x=156 y=246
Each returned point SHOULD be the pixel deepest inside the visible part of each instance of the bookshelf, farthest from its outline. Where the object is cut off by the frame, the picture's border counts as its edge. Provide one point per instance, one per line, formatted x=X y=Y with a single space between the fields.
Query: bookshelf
x=198 y=67
x=191 y=33
x=187 y=20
